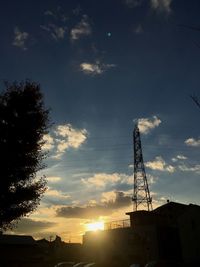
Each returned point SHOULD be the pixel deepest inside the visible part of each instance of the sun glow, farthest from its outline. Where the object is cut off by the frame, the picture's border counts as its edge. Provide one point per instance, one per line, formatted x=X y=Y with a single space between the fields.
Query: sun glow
x=95 y=226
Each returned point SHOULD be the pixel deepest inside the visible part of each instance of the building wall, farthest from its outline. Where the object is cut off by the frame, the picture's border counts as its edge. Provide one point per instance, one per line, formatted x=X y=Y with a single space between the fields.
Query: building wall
x=170 y=233
x=189 y=226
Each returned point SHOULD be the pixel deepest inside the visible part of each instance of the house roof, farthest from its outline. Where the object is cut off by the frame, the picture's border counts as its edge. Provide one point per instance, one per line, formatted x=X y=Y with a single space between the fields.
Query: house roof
x=16 y=240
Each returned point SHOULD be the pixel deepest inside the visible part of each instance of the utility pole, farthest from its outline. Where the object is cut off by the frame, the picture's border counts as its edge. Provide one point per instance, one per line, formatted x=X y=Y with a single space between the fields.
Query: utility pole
x=141 y=194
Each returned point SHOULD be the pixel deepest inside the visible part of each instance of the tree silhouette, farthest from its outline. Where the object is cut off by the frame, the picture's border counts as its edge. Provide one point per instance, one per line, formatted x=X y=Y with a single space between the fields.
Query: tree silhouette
x=23 y=122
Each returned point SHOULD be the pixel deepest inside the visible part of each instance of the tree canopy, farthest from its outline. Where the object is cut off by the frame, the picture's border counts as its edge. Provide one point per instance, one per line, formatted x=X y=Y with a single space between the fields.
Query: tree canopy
x=23 y=122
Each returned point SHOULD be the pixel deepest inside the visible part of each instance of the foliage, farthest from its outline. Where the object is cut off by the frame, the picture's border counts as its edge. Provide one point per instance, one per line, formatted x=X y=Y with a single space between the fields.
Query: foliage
x=23 y=122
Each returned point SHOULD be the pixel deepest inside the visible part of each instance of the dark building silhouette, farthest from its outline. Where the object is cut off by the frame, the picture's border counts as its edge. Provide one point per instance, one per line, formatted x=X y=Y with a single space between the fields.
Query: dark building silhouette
x=58 y=250
x=16 y=250
x=24 y=251
x=169 y=233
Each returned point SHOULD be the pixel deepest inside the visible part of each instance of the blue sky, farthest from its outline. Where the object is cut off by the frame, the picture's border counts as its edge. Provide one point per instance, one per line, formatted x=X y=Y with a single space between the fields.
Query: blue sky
x=101 y=65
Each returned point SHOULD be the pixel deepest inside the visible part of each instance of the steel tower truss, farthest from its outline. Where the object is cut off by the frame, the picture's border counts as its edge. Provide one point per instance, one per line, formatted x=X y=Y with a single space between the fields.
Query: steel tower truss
x=141 y=194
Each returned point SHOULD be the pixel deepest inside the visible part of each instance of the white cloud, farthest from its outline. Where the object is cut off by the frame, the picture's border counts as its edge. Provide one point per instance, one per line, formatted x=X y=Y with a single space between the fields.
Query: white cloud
x=56 y=32
x=56 y=194
x=101 y=180
x=96 y=68
x=48 y=142
x=179 y=157
x=74 y=136
x=54 y=179
x=161 y=5
x=192 y=142
x=63 y=137
x=147 y=124
x=20 y=38
x=159 y=164
x=108 y=196
x=83 y=28
x=61 y=147
x=68 y=137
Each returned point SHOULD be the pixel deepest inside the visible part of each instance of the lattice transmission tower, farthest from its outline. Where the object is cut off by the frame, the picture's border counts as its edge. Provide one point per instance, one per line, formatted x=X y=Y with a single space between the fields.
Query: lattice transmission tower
x=141 y=194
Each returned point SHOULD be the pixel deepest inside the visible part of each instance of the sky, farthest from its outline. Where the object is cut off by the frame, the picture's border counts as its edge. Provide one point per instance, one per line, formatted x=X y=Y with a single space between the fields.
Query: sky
x=102 y=66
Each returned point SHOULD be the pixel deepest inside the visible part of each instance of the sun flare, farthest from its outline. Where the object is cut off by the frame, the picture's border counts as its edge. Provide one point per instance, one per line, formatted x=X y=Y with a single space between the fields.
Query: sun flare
x=95 y=226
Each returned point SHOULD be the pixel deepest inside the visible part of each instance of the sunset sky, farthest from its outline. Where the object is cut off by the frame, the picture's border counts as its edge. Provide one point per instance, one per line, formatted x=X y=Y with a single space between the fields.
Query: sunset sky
x=102 y=65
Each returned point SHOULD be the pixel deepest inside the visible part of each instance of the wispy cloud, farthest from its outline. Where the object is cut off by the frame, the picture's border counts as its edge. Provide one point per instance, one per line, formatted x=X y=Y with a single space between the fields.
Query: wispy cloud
x=96 y=68
x=151 y=179
x=192 y=142
x=147 y=124
x=76 y=11
x=94 y=210
x=20 y=38
x=82 y=29
x=138 y=29
x=160 y=165
x=185 y=168
x=163 y=6
x=56 y=32
x=57 y=14
x=179 y=157
x=49 y=13
x=54 y=179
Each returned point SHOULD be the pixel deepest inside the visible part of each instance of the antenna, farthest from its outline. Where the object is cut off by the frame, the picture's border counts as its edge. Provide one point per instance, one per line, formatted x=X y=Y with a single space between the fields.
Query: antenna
x=141 y=194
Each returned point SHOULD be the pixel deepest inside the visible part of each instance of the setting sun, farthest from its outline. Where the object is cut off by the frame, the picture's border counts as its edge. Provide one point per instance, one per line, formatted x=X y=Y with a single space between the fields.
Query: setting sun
x=95 y=226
